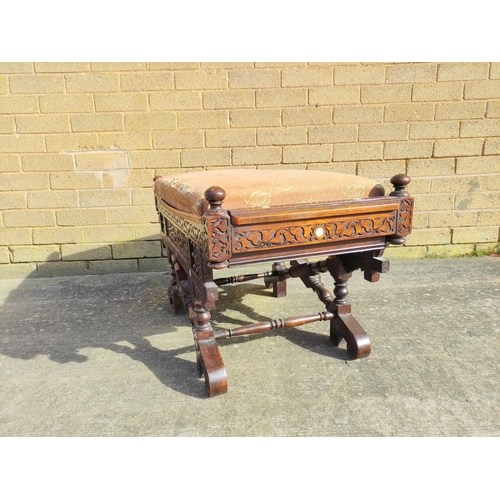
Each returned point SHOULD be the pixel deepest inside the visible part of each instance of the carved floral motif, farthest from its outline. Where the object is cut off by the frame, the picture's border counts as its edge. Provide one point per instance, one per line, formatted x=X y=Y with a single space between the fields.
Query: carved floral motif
x=212 y=237
x=196 y=233
x=405 y=216
x=178 y=236
x=220 y=249
x=299 y=235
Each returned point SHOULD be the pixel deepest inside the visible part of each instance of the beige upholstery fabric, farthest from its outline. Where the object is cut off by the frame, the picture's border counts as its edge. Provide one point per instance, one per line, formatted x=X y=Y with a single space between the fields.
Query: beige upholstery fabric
x=263 y=188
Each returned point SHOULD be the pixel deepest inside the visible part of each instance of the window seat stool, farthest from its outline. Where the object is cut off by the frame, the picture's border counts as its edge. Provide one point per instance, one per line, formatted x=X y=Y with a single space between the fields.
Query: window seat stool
x=212 y=220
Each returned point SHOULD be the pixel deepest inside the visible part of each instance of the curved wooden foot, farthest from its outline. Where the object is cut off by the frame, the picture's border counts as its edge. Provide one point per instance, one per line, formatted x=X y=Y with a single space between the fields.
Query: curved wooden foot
x=335 y=336
x=213 y=367
x=208 y=358
x=200 y=367
x=345 y=326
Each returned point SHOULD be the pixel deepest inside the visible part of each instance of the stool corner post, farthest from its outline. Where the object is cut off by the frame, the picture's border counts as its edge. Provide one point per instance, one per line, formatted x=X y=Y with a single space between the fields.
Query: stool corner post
x=218 y=224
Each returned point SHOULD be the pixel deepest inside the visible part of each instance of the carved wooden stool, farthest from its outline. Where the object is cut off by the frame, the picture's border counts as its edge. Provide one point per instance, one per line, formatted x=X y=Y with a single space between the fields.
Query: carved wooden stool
x=275 y=216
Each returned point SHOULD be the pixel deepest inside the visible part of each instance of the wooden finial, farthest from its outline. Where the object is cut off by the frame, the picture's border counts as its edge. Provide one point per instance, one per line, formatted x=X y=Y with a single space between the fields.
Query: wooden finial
x=215 y=196
x=400 y=181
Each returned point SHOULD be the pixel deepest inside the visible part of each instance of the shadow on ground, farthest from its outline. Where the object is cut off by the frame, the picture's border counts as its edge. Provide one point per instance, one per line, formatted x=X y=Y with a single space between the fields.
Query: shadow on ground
x=105 y=356
x=61 y=317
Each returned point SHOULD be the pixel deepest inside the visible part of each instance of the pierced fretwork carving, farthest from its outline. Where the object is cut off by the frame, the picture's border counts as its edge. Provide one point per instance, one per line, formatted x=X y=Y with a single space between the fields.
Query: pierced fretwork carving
x=196 y=232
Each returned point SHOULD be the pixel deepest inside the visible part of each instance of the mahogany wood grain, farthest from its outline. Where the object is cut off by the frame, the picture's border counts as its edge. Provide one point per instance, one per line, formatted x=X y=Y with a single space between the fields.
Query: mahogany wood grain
x=320 y=210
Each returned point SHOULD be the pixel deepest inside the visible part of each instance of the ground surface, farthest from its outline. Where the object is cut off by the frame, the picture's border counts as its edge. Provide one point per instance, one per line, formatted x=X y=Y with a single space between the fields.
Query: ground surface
x=105 y=356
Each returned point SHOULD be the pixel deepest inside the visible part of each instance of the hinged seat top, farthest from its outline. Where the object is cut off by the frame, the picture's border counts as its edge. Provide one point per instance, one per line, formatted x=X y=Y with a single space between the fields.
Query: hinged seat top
x=263 y=188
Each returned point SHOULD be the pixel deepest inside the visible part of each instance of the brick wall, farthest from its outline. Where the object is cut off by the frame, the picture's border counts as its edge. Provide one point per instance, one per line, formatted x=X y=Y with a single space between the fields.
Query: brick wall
x=81 y=142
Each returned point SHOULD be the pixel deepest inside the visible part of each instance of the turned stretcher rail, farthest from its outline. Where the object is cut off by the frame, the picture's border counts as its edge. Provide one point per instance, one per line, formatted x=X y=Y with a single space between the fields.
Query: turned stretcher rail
x=291 y=272
x=274 y=324
x=245 y=277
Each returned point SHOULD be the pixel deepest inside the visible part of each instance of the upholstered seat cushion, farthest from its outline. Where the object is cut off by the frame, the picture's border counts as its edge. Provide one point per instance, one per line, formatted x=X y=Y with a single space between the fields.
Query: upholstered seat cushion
x=263 y=188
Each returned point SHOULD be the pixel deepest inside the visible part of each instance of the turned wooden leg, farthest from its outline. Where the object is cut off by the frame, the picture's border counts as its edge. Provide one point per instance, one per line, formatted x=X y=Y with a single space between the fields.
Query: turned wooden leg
x=344 y=326
x=310 y=274
x=208 y=358
x=340 y=292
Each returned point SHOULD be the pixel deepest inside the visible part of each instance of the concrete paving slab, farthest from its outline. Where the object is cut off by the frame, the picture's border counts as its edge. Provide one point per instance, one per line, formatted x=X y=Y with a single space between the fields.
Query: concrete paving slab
x=106 y=356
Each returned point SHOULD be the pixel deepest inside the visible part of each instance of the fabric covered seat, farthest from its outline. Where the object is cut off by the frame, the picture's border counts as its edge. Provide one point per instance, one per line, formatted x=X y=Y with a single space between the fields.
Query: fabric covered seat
x=263 y=188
